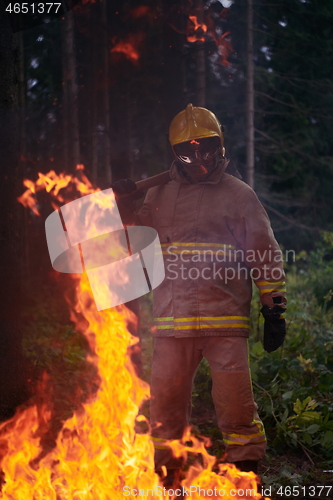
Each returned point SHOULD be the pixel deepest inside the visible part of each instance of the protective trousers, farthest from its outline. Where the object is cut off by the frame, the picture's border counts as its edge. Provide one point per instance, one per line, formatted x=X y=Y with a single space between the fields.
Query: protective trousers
x=175 y=361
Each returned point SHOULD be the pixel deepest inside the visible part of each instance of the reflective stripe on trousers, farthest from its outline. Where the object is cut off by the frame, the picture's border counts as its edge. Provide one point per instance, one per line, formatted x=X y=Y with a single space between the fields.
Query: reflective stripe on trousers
x=242 y=439
x=202 y=322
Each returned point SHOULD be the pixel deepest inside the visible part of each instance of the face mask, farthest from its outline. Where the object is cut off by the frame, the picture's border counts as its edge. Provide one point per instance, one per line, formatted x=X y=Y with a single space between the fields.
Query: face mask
x=199 y=157
x=200 y=172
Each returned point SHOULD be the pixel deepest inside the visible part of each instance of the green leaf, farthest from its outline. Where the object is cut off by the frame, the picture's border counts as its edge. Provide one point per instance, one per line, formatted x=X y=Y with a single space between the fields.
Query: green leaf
x=313 y=428
x=298 y=407
x=327 y=439
x=307 y=438
x=285 y=415
x=257 y=349
x=309 y=415
x=311 y=404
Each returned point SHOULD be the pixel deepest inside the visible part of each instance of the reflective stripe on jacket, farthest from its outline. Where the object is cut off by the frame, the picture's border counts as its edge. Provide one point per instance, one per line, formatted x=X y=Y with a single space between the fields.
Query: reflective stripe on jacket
x=216 y=237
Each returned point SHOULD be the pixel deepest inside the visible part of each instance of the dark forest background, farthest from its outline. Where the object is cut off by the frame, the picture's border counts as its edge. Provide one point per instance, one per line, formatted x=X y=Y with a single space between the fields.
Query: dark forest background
x=99 y=86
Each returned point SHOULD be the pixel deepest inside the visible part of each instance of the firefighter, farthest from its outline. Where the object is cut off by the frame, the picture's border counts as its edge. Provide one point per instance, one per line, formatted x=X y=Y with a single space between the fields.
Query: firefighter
x=216 y=239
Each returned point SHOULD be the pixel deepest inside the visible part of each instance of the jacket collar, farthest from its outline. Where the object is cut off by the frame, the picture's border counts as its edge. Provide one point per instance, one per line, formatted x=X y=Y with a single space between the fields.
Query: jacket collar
x=179 y=175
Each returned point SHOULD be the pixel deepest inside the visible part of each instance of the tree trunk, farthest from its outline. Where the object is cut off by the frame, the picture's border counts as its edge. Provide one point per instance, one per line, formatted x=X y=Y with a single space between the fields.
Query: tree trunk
x=94 y=136
x=105 y=48
x=172 y=92
x=200 y=63
x=93 y=91
x=71 y=87
x=25 y=263
x=129 y=105
x=12 y=376
x=65 y=101
x=250 y=99
x=200 y=76
x=21 y=95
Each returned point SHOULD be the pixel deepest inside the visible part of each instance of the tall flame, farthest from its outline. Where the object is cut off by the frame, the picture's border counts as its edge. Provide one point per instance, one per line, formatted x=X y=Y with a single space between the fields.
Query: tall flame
x=98 y=454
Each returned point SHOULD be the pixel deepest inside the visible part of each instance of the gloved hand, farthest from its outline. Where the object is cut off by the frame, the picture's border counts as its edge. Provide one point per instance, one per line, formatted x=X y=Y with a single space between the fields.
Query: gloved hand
x=123 y=186
x=274 y=328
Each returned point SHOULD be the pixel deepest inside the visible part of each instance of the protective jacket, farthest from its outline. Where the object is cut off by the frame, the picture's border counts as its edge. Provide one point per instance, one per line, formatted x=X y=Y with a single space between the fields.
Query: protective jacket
x=216 y=237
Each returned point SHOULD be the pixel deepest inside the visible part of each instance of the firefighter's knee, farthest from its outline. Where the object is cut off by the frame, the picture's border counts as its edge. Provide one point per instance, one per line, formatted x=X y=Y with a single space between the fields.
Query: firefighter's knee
x=233 y=397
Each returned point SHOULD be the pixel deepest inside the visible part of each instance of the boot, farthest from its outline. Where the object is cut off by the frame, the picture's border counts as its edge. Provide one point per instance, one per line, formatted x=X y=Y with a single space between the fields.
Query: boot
x=247 y=466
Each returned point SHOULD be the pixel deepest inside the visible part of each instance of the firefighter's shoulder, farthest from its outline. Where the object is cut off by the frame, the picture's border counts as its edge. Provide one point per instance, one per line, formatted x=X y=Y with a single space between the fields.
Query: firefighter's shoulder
x=231 y=181
x=235 y=187
x=155 y=192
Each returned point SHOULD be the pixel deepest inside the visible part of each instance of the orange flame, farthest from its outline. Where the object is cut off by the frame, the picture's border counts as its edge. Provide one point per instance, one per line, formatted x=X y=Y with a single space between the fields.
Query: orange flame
x=128 y=47
x=52 y=184
x=198 y=32
x=195 y=35
x=98 y=454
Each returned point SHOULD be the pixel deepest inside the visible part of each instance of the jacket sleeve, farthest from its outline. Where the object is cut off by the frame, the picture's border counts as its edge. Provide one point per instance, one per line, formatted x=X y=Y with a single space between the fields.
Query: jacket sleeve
x=132 y=217
x=144 y=216
x=262 y=253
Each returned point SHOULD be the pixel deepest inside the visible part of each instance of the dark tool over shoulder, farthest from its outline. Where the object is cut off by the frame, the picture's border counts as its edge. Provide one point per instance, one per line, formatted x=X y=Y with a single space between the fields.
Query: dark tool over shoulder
x=127 y=192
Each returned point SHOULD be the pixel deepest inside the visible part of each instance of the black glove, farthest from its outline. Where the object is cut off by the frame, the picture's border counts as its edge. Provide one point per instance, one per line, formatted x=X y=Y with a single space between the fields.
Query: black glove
x=126 y=187
x=274 y=328
x=123 y=186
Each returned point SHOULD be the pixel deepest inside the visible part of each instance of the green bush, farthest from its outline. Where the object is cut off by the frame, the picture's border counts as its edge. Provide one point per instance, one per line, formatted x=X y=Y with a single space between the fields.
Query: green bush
x=294 y=385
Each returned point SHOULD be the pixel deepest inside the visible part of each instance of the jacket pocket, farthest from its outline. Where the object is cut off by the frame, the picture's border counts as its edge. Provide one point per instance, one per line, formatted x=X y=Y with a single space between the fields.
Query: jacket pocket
x=163 y=227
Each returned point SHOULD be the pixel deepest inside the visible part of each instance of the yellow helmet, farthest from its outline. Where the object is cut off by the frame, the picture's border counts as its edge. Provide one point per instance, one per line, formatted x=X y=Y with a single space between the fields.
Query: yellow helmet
x=195 y=123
